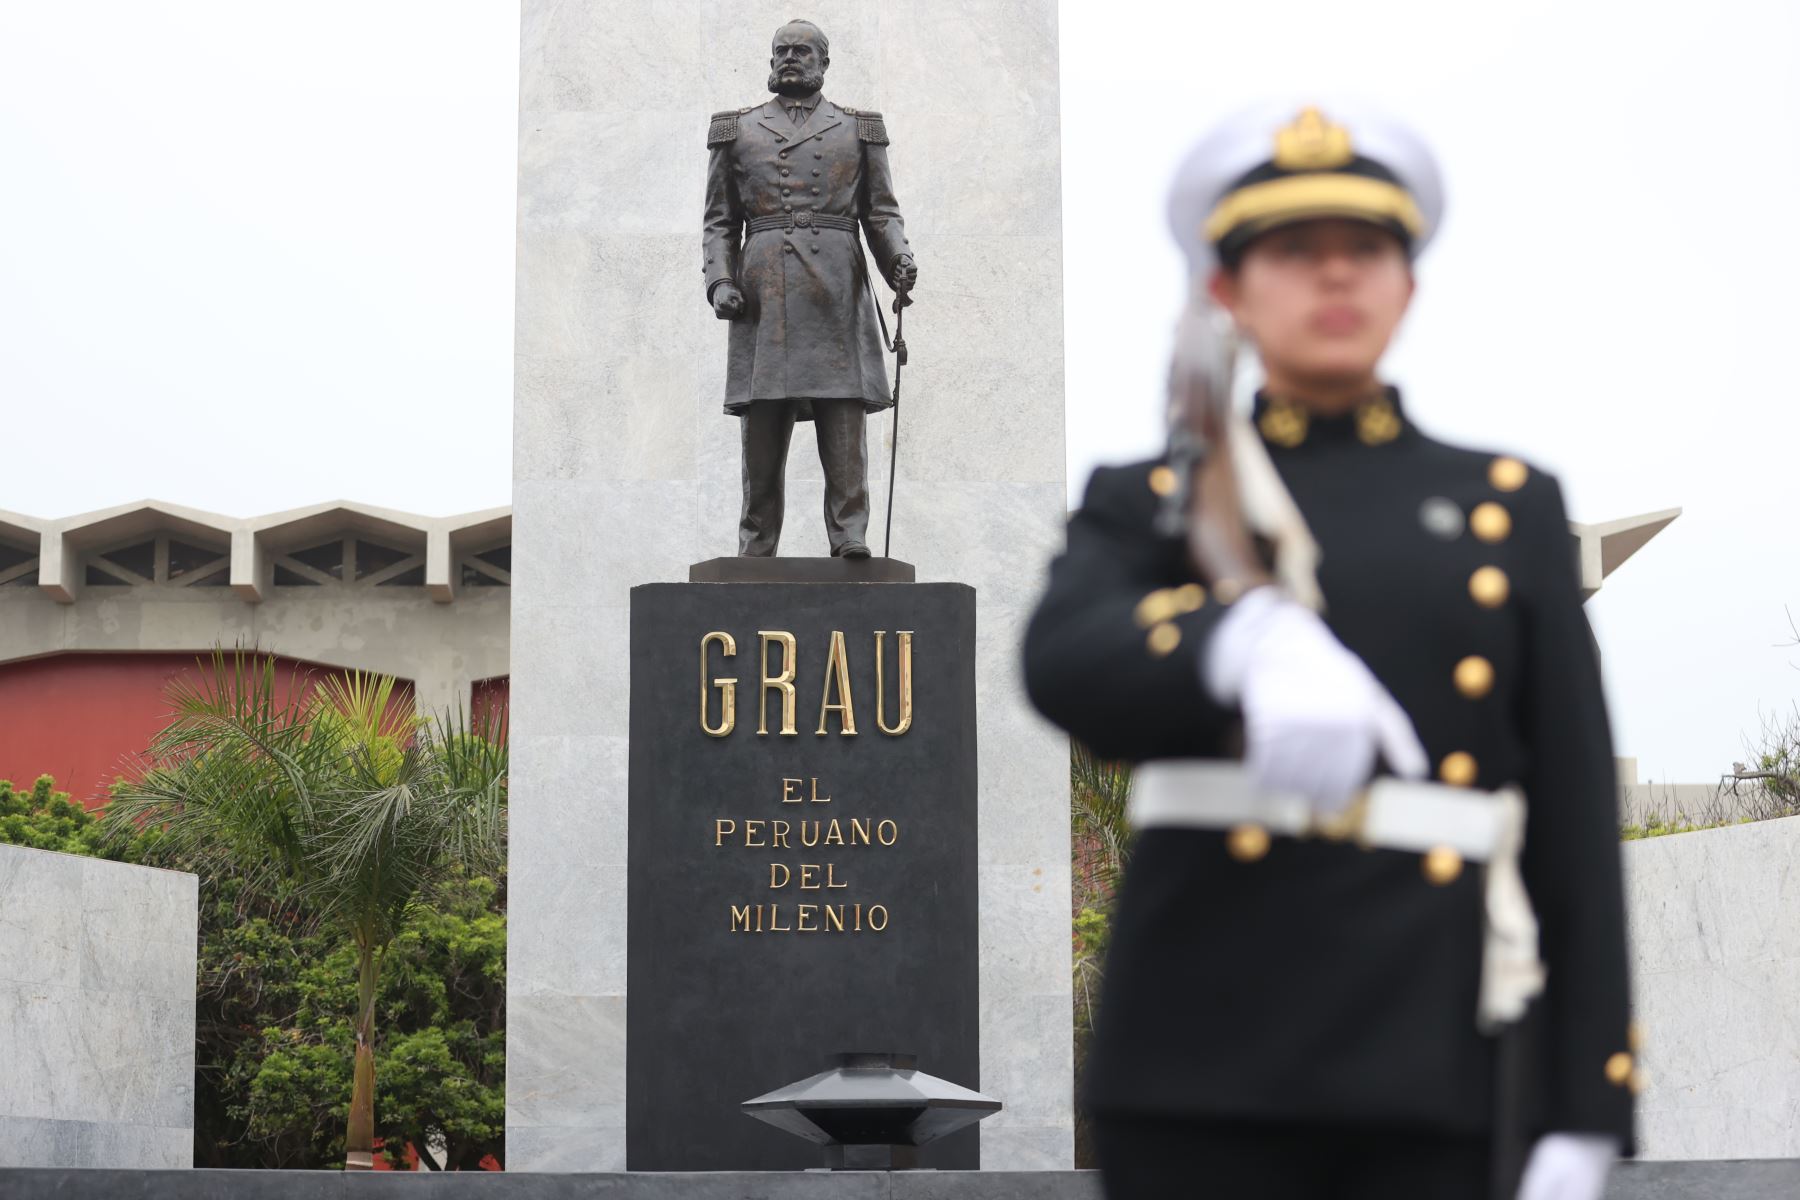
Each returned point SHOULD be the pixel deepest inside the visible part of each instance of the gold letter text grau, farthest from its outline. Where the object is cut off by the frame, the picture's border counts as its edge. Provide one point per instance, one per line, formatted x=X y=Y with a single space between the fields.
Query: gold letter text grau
x=835 y=693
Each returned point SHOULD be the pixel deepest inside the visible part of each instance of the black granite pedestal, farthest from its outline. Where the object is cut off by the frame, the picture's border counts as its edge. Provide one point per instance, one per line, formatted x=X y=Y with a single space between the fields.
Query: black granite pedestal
x=802 y=854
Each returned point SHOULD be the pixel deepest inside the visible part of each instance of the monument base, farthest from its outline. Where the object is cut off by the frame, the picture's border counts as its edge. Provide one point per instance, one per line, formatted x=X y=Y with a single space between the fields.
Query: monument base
x=802 y=570
x=802 y=854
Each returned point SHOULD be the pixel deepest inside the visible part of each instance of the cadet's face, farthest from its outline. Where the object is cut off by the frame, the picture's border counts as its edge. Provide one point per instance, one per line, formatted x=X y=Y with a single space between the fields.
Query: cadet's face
x=1321 y=300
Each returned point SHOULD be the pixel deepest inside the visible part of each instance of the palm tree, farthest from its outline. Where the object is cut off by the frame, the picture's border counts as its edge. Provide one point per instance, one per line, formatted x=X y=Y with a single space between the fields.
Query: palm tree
x=340 y=790
x=1099 y=790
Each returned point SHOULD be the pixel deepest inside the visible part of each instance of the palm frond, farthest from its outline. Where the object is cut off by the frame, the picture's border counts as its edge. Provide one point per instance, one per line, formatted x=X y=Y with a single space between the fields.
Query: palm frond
x=340 y=793
x=240 y=753
x=374 y=706
x=1099 y=796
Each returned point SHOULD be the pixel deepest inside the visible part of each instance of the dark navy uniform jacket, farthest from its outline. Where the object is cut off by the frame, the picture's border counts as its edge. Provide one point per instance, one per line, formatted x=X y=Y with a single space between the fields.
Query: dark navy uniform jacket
x=1324 y=981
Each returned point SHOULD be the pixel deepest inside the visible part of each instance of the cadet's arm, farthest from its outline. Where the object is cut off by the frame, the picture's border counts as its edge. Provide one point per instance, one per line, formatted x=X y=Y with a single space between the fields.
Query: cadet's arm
x=1571 y=858
x=1112 y=654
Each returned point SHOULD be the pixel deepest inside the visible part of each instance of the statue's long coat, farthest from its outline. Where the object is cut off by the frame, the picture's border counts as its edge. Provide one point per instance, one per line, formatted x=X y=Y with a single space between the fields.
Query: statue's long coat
x=808 y=330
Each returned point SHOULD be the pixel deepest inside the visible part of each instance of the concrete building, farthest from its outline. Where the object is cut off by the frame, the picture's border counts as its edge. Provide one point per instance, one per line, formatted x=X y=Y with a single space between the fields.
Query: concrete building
x=99 y=610
x=1603 y=548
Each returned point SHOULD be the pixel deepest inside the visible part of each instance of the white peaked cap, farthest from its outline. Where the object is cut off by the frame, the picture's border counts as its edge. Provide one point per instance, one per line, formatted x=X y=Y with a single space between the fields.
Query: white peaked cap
x=1210 y=198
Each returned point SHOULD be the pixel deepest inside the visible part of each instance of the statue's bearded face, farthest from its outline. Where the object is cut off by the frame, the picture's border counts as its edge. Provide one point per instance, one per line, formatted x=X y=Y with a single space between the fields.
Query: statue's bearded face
x=797 y=61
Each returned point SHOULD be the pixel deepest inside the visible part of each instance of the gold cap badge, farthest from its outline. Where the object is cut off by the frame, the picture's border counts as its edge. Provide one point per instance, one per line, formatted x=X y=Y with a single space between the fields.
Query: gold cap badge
x=1312 y=143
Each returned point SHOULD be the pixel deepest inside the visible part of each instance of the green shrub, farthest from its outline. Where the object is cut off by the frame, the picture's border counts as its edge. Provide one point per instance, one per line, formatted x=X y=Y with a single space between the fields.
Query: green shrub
x=44 y=819
x=275 y=993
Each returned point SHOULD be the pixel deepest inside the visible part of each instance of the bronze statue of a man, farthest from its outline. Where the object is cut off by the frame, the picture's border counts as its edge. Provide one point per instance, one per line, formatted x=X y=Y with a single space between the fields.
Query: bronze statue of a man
x=788 y=185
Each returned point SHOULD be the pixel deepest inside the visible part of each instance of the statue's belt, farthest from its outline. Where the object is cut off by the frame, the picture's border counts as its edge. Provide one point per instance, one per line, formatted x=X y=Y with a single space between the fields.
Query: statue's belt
x=788 y=222
x=1432 y=819
x=807 y=219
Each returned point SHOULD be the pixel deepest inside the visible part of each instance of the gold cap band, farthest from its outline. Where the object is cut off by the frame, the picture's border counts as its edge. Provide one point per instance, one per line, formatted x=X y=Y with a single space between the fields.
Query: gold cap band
x=1324 y=194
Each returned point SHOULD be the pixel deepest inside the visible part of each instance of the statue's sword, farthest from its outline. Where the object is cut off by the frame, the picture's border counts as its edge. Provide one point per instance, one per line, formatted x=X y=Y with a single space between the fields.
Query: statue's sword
x=902 y=301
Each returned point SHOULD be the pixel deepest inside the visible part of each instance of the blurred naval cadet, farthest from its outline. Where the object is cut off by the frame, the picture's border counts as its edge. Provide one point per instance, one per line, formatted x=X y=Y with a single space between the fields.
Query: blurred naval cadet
x=787 y=185
x=1325 y=978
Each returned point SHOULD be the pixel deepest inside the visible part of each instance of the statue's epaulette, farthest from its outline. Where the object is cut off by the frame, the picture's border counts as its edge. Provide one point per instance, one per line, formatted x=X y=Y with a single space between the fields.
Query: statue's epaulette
x=869 y=126
x=724 y=126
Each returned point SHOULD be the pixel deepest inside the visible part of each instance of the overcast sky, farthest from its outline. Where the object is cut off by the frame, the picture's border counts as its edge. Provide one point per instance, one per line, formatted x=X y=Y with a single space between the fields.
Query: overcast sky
x=255 y=256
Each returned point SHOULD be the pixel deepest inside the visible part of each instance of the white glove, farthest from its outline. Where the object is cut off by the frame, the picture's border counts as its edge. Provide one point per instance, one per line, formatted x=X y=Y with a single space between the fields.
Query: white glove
x=1314 y=714
x=1568 y=1166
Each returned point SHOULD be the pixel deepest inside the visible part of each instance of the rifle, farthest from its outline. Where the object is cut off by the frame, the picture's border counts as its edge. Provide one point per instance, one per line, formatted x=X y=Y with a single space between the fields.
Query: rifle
x=1228 y=504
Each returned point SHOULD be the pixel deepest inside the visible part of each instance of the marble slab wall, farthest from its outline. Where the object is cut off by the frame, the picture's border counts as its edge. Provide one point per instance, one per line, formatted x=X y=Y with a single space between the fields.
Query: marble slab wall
x=1715 y=938
x=96 y=1012
x=626 y=470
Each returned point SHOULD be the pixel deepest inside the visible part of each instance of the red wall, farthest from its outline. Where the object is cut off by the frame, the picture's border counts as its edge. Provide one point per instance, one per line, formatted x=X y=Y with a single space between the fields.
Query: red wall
x=80 y=717
x=490 y=698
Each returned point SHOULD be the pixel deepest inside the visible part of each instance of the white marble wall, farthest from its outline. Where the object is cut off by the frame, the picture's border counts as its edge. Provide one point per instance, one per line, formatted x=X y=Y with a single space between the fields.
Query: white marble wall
x=626 y=470
x=96 y=1012
x=1715 y=935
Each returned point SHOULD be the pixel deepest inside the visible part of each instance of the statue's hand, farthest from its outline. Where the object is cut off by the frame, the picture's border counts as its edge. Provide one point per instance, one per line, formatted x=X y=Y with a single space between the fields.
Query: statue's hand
x=903 y=274
x=727 y=301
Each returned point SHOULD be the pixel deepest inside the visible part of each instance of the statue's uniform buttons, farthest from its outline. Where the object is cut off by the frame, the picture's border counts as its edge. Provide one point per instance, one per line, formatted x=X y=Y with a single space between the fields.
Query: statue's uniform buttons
x=787 y=247
x=784 y=193
x=784 y=170
x=781 y=154
x=787 y=208
x=815 y=172
x=816 y=154
x=815 y=191
x=815 y=248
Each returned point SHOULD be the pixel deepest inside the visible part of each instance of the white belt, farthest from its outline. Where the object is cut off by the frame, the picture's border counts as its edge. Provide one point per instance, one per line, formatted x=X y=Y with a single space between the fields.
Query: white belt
x=1393 y=814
